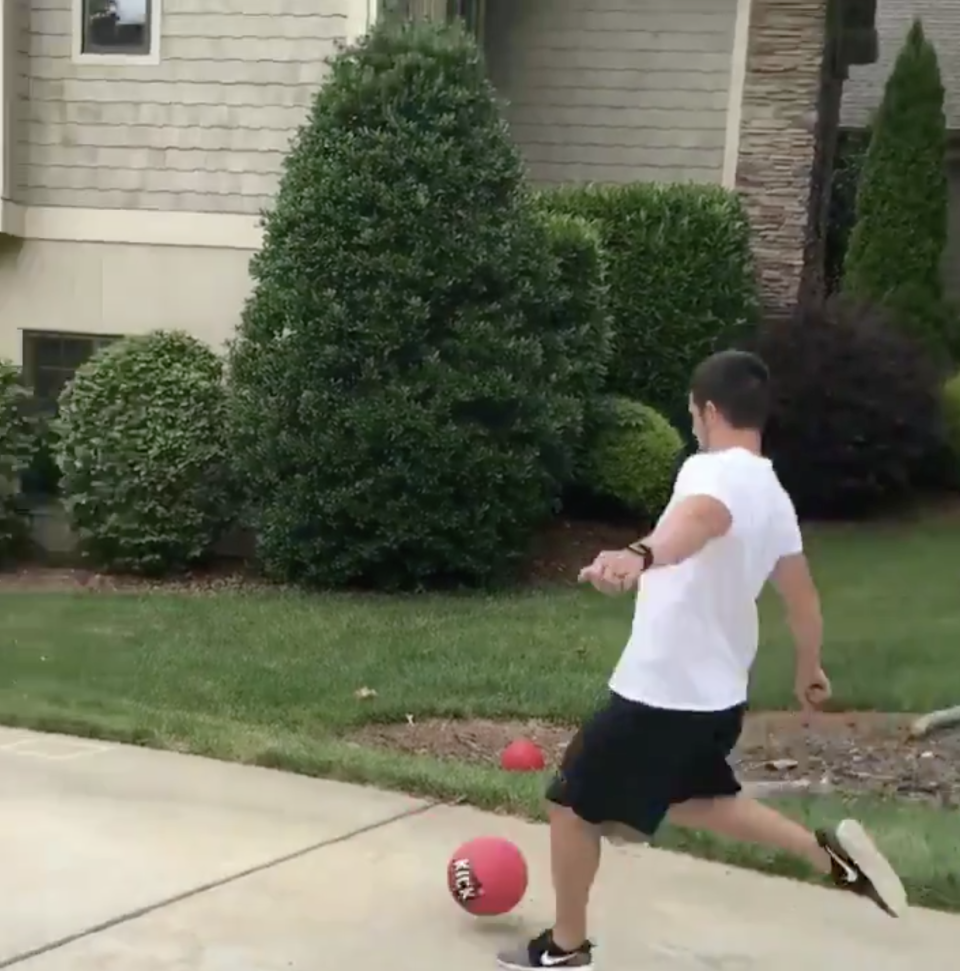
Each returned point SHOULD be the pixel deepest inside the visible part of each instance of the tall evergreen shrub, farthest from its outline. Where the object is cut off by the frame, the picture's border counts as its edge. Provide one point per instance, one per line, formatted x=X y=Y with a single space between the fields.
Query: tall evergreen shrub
x=896 y=247
x=396 y=408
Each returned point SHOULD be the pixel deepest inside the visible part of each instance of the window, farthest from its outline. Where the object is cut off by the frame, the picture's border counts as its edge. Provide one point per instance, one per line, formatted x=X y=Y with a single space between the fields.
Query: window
x=118 y=28
x=470 y=11
x=50 y=360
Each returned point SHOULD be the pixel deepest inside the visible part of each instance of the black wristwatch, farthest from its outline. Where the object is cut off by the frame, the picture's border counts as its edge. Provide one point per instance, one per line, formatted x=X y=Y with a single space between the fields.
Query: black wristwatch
x=644 y=552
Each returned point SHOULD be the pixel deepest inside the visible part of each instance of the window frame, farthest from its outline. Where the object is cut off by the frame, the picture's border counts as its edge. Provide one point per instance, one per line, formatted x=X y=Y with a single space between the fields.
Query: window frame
x=474 y=15
x=83 y=54
x=29 y=353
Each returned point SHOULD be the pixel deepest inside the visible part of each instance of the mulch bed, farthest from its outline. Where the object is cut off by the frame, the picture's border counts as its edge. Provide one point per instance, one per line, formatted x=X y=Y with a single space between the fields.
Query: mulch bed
x=566 y=546
x=221 y=577
x=558 y=554
x=856 y=754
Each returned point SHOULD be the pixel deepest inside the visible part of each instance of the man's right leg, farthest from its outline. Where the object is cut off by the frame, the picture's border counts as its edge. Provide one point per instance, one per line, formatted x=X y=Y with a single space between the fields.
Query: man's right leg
x=845 y=853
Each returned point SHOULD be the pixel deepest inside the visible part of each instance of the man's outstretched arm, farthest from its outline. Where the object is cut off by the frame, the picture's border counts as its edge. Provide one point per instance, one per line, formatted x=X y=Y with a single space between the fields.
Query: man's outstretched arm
x=687 y=528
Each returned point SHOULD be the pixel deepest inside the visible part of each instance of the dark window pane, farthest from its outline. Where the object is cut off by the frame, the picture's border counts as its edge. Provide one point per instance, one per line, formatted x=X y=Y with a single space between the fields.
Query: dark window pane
x=48 y=351
x=49 y=383
x=51 y=360
x=116 y=26
x=76 y=350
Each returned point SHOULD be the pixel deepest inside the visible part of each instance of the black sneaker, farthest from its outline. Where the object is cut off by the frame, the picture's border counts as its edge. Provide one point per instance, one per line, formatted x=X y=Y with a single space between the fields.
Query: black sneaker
x=541 y=952
x=858 y=866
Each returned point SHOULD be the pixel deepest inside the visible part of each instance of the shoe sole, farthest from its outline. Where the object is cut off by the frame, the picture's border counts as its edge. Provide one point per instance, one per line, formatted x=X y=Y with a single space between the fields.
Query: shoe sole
x=862 y=850
x=507 y=965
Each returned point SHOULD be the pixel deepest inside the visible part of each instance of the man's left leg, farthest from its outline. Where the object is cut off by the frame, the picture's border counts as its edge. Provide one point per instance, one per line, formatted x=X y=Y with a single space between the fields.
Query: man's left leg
x=610 y=778
x=574 y=861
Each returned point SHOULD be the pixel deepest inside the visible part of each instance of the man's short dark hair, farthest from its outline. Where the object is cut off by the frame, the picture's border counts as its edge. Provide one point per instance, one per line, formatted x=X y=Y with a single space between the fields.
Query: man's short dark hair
x=738 y=385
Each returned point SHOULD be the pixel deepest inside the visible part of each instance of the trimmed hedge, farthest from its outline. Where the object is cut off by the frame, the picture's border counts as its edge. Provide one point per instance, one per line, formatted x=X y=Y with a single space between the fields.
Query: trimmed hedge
x=403 y=410
x=579 y=316
x=933 y=321
x=857 y=422
x=681 y=279
x=141 y=444
x=633 y=457
x=18 y=444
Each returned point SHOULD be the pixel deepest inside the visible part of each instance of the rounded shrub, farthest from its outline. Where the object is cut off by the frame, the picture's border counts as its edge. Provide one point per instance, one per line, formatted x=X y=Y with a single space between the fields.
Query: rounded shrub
x=632 y=457
x=142 y=448
x=396 y=408
x=18 y=444
x=857 y=422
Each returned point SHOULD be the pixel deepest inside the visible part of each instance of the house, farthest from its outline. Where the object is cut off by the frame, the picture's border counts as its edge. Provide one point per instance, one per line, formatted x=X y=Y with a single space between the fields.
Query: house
x=140 y=139
x=864 y=91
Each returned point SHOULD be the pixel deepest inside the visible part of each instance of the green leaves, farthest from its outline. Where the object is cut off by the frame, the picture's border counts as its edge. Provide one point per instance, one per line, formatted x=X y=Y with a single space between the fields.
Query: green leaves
x=951 y=413
x=857 y=425
x=402 y=406
x=680 y=275
x=142 y=449
x=18 y=444
x=633 y=457
x=896 y=247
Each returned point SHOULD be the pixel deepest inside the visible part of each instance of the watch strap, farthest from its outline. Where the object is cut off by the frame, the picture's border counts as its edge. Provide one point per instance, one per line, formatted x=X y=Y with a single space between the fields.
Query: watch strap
x=644 y=552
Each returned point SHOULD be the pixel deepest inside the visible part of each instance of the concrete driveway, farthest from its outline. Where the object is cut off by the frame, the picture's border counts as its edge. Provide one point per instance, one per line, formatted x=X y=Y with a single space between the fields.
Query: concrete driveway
x=119 y=859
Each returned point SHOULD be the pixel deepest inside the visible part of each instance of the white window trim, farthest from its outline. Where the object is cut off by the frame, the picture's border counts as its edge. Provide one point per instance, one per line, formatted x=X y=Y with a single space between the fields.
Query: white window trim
x=150 y=59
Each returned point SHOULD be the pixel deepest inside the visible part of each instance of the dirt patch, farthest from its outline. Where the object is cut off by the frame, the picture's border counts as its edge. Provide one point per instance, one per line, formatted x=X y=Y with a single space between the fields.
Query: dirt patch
x=566 y=546
x=558 y=555
x=48 y=580
x=857 y=754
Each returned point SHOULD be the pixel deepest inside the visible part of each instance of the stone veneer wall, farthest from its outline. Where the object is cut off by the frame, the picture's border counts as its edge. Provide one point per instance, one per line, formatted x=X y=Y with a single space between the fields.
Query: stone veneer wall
x=778 y=138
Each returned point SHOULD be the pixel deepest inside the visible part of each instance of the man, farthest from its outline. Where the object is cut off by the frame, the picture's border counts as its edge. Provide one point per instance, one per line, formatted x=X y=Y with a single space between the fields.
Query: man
x=660 y=746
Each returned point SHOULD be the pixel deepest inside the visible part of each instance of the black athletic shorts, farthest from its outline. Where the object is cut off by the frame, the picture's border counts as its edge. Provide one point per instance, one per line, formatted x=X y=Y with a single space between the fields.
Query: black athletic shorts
x=629 y=763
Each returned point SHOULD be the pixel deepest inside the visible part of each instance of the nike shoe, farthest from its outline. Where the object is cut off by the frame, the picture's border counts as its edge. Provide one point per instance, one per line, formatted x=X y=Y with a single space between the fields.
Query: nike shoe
x=858 y=866
x=541 y=952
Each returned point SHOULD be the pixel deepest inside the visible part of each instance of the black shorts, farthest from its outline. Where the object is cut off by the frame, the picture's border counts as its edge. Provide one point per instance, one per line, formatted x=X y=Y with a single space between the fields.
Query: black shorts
x=630 y=763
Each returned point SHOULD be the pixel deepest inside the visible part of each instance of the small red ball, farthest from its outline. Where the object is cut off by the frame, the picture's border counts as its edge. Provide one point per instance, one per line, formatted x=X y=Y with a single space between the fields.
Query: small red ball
x=522 y=755
x=487 y=876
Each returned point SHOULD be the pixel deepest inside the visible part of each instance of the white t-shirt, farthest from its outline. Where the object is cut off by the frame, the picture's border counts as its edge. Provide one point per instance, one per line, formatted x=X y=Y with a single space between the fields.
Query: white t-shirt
x=695 y=629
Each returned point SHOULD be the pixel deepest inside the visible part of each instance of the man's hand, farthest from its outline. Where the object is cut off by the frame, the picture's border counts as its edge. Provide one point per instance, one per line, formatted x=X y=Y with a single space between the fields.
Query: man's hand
x=812 y=687
x=613 y=571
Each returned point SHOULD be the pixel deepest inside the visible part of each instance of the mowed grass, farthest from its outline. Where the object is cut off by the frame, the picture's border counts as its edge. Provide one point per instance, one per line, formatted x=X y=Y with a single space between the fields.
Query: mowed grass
x=272 y=677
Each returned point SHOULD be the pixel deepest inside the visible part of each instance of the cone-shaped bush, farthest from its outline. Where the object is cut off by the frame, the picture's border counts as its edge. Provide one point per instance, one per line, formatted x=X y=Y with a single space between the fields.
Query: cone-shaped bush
x=396 y=413
x=897 y=243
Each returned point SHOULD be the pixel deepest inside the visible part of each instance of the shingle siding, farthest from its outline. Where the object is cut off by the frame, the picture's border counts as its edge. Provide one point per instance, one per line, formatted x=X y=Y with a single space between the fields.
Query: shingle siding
x=203 y=131
x=615 y=90
x=941 y=22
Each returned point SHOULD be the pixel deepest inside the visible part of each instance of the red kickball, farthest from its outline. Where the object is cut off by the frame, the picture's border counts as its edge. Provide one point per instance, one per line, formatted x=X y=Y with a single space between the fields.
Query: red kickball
x=487 y=876
x=522 y=755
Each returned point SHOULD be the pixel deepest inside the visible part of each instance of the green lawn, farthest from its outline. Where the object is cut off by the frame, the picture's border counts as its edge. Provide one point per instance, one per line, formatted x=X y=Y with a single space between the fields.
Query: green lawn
x=270 y=677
